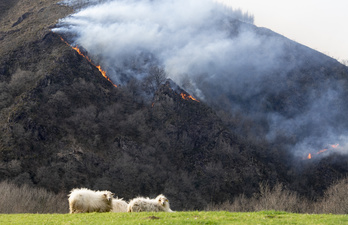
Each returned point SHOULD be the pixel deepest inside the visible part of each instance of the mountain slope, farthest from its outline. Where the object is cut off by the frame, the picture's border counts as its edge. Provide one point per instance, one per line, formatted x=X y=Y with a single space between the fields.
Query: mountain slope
x=63 y=125
x=73 y=128
x=287 y=89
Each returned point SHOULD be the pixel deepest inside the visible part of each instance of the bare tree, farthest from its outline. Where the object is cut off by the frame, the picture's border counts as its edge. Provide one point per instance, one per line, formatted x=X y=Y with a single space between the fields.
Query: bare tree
x=156 y=77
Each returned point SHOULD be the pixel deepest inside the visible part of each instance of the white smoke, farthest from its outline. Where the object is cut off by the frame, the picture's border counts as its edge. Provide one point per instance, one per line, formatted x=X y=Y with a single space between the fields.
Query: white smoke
x=80 y=3
x=186 y=37
x=203 y=46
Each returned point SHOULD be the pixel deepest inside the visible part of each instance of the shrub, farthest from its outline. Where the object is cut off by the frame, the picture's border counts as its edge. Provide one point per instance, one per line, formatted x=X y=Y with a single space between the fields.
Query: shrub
x=335 y=199
x=279 y=199
x=276 y=198
x=26 y=199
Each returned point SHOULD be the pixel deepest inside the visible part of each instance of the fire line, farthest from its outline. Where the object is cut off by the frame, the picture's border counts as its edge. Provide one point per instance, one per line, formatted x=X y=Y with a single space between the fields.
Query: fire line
x=186 y=97
x=323 y=150
x=103 y=72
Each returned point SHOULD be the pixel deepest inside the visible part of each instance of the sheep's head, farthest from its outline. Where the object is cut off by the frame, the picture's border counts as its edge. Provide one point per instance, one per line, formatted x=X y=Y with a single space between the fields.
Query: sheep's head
x=163 y=201
x=108 y=195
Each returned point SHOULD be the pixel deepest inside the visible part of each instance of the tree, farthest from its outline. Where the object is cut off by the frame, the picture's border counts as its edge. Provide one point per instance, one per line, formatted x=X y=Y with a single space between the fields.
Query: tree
x=156 y=77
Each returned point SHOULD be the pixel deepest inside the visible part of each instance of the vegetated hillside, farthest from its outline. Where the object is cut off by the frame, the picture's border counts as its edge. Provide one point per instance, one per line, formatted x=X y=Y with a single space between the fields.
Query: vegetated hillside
x=265 y=86
x=6 y=5
x=296 y=91
x=296 y=102
x=73 y=128
x=64 y=126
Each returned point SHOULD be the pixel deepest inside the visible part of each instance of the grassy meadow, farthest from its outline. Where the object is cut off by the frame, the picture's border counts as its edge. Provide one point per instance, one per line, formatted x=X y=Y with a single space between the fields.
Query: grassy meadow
x=190 y=217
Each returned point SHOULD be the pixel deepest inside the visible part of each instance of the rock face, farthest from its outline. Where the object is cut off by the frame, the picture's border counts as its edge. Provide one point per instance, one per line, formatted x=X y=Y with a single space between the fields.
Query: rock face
x=63 y=125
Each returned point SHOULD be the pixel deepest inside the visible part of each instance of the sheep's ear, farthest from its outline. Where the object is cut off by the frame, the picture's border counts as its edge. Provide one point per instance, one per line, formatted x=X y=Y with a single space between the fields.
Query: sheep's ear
x=105 y=195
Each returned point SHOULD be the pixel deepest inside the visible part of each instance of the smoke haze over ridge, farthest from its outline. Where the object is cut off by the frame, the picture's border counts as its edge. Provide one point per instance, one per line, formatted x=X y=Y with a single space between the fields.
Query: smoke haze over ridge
x=204 y=47
x=173 y=31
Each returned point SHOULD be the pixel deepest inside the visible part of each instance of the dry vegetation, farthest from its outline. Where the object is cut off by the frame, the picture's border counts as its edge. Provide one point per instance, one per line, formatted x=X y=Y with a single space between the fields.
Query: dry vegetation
x=22 y=21
x=335 y=199
x=26 y=199
x=278 y=198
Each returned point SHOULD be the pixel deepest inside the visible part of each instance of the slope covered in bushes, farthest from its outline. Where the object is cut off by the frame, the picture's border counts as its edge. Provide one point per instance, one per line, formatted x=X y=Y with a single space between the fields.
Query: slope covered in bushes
x=63 y=125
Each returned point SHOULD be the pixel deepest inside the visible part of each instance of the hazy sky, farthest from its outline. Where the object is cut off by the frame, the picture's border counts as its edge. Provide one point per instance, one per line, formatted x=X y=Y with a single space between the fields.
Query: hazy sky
x=318 y=24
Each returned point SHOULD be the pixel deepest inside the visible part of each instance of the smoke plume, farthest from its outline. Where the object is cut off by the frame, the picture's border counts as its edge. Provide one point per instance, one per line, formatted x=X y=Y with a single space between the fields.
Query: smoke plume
x=186 y=37
x=219 y=56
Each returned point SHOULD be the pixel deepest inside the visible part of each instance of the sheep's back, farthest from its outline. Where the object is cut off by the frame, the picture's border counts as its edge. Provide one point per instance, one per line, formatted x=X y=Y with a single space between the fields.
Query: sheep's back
x=118 y=205
x=84 y=200
x=144 y=205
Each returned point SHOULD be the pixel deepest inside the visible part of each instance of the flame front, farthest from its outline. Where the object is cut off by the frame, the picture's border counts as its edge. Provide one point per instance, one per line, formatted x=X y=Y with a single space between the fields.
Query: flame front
x=323 y=150
x=186 y=97
x=103 y=72
x=78 y=51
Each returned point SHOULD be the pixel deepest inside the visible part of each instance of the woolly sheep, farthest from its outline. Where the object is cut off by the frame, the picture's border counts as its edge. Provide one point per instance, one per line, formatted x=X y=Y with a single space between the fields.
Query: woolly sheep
x=119 y=205
x=140 y=204
x=85 y=200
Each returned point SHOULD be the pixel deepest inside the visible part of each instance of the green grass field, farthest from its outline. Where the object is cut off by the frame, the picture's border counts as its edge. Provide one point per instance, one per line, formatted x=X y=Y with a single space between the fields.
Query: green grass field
x=194 y=217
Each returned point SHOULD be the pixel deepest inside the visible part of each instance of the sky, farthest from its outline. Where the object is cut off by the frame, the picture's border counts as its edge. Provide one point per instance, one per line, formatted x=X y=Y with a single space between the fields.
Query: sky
x=318 y=24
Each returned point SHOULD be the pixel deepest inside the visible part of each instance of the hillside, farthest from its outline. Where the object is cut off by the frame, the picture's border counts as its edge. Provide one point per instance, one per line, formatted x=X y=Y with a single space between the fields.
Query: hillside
x=63 y=125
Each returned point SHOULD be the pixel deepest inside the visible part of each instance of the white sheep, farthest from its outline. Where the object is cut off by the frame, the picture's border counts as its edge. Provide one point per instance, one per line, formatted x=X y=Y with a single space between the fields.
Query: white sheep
x=119 y=205
x=140 y=204
x=85 y=200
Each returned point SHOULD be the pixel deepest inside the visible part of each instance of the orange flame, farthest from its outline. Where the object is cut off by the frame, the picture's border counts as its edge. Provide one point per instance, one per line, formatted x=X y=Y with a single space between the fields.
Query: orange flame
x=323 y=150
x=80 y=53
x=186 y=97
x=103 y=72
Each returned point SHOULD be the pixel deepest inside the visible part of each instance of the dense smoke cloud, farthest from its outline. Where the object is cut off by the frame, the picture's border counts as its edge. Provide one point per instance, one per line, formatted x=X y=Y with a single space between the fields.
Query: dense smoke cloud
x=204 y=47
x=186 y=37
